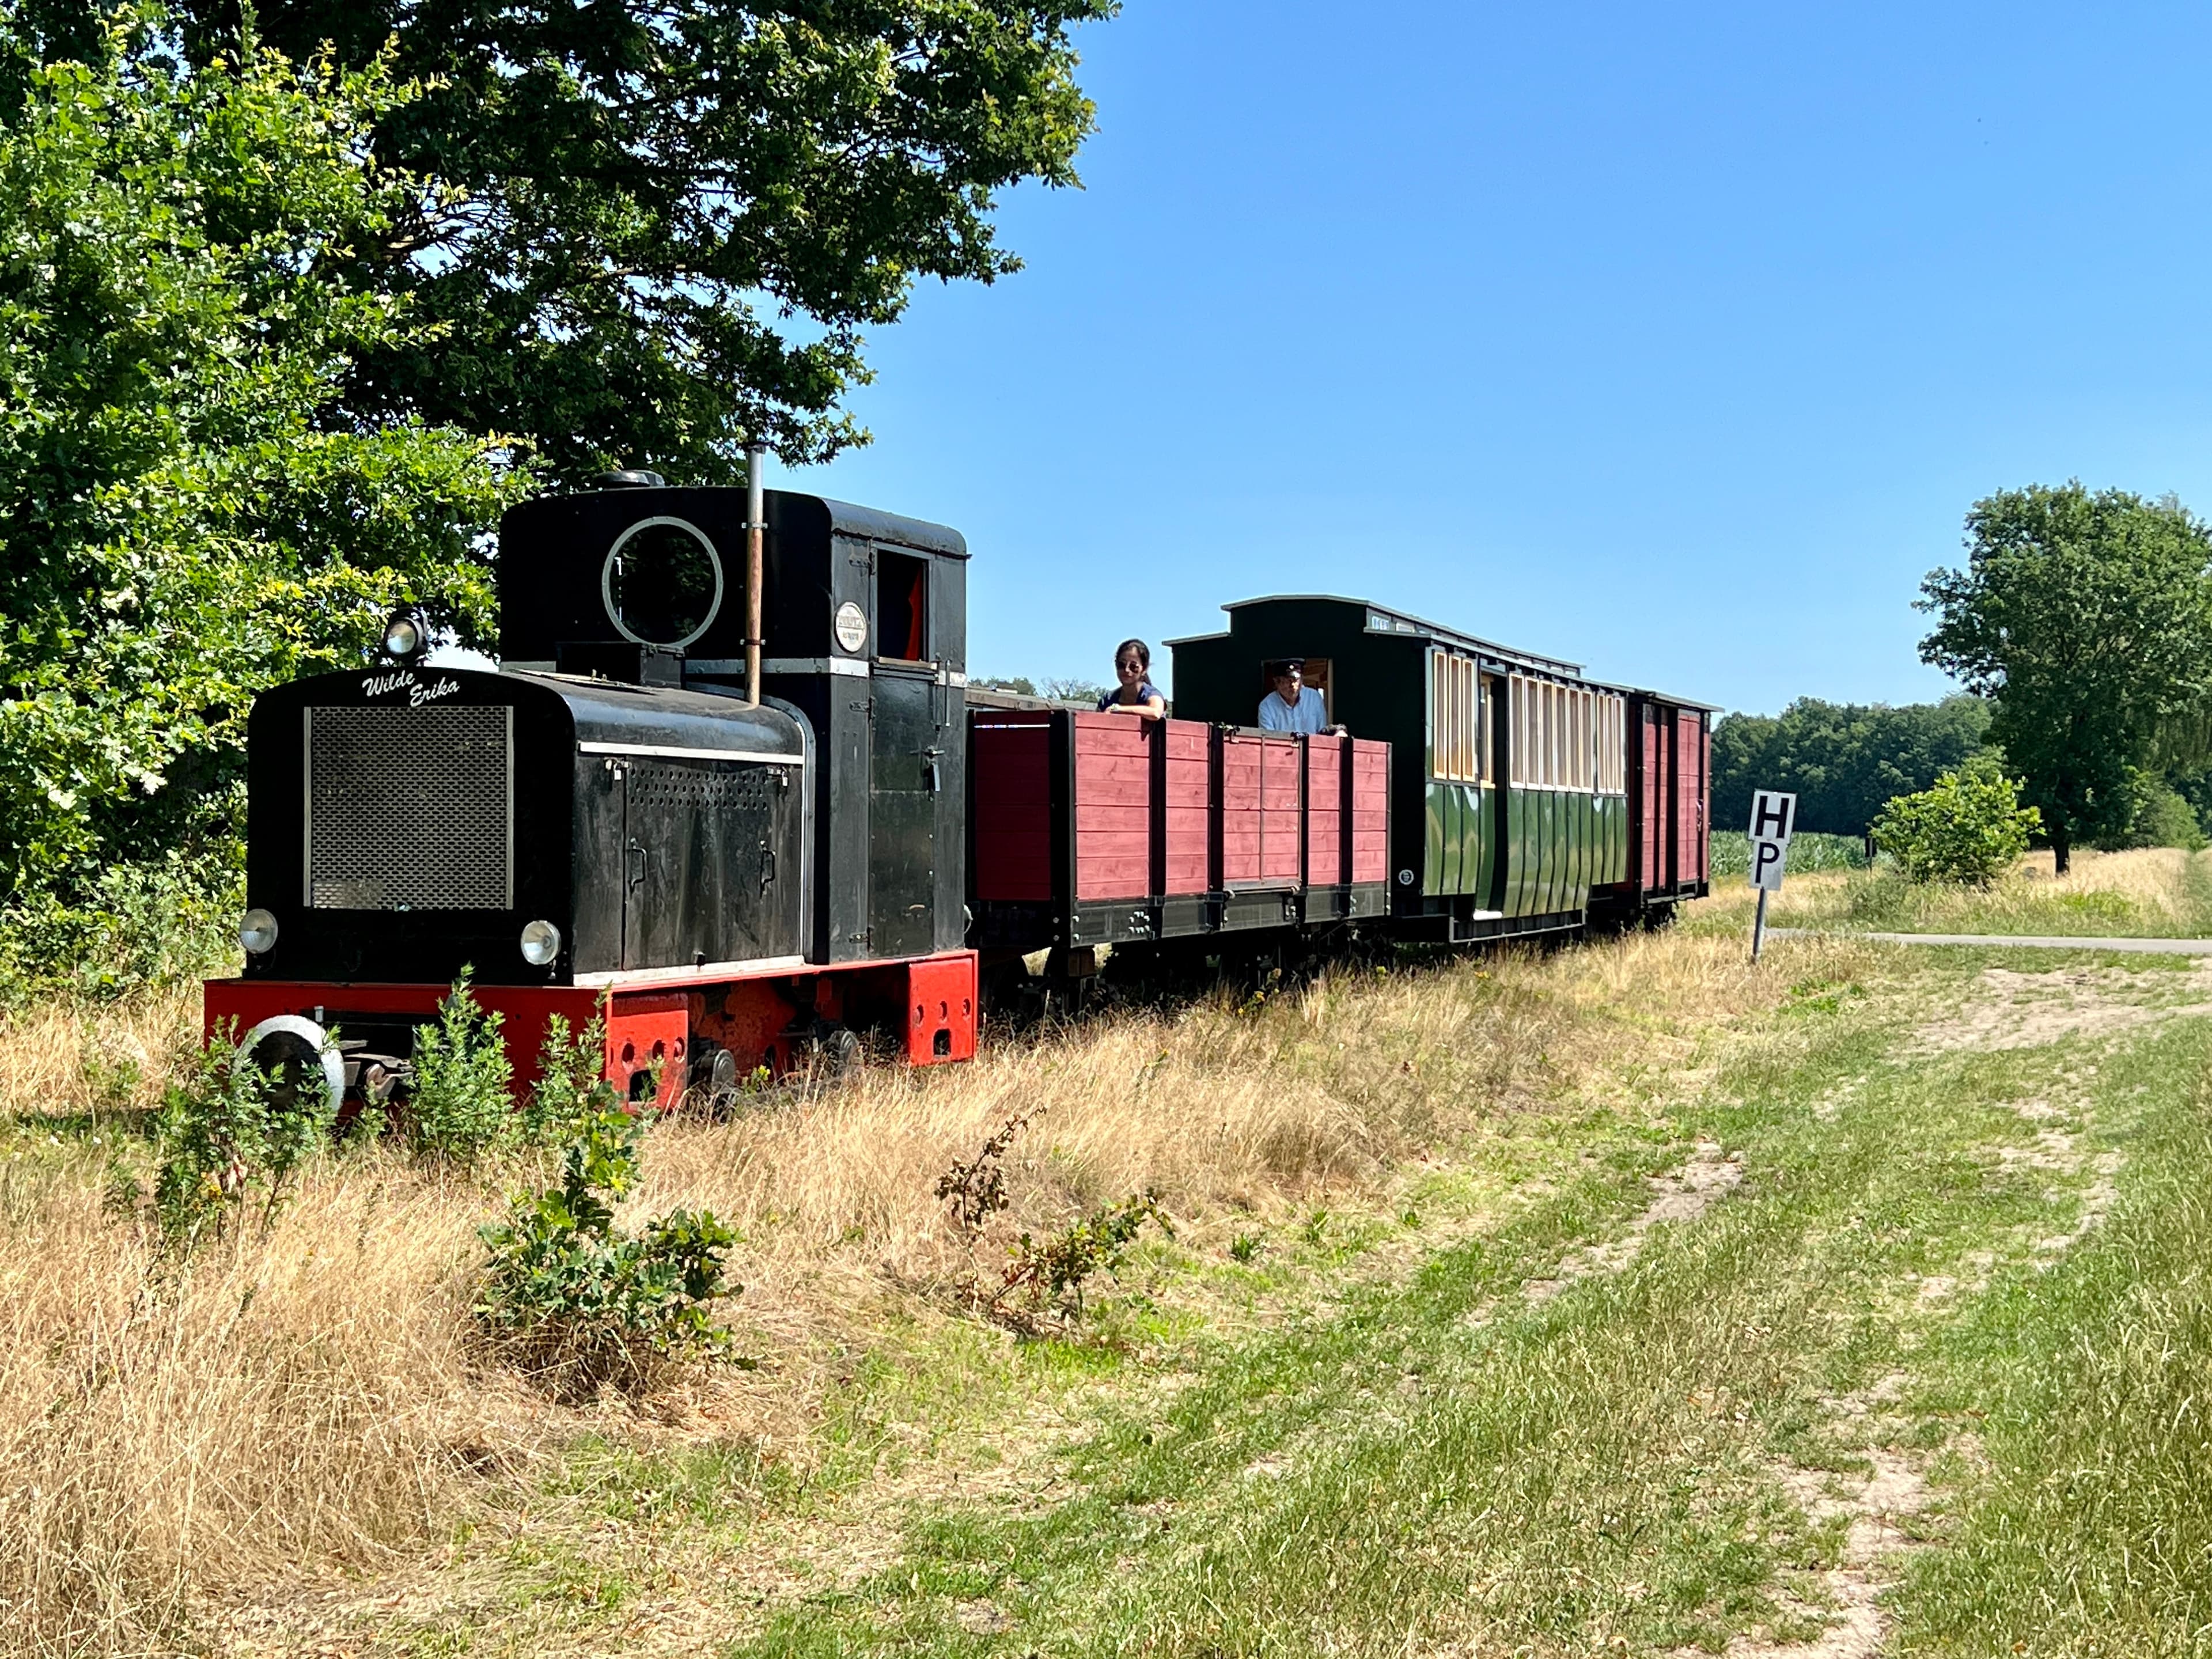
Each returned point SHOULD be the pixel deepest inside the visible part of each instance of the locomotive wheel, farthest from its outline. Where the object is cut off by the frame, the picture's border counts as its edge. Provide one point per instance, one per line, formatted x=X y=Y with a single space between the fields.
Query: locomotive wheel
x=300 y=1060
x=836 y=1048
x=713 y=1078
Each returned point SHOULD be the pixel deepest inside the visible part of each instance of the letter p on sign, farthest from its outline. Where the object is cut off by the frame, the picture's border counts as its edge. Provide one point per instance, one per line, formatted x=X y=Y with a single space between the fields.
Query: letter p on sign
x=1773 y=816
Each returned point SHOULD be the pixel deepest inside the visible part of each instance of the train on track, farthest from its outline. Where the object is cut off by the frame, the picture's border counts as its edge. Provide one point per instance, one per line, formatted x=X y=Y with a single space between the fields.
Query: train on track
x=730 y=791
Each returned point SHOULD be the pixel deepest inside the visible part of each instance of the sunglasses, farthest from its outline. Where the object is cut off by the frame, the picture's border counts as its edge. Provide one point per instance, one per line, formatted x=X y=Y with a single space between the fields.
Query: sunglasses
x=1128 y=662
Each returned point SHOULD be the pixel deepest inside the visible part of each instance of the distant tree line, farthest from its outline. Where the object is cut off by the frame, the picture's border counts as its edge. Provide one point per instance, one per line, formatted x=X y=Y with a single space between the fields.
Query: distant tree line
x=1844 y=761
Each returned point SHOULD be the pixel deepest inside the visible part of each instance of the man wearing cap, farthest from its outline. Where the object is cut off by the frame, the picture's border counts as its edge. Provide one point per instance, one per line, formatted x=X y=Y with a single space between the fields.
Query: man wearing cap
x=1293 y=706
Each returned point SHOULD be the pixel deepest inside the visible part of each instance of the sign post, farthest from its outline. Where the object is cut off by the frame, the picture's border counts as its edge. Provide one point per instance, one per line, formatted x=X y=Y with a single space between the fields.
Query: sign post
x=1773 y=818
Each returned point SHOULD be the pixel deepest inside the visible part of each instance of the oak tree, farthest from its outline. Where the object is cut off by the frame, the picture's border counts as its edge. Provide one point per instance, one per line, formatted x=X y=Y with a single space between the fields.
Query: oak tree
x=648 y=229
x=2087 y=617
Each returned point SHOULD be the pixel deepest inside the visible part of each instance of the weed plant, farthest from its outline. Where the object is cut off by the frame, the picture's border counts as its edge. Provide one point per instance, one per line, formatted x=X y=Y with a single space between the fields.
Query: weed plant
x=227 y=1132
x=569 y=1083
x=460 y=1106
x=574 y=1301
x=1051 y=1270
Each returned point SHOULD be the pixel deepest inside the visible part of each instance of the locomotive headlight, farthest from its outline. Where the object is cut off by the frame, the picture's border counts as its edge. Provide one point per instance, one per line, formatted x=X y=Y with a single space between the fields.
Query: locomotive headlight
x=541 y=943
x=406 y=636
x=256 y=930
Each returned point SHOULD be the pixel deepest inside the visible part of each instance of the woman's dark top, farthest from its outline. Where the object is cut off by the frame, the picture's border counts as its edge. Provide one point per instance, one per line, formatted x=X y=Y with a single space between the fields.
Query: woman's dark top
x=1145 y=693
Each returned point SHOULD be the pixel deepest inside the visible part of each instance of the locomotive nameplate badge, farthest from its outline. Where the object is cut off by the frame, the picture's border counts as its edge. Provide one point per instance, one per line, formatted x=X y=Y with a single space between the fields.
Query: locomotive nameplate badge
x=852 y=626
x=418 y=693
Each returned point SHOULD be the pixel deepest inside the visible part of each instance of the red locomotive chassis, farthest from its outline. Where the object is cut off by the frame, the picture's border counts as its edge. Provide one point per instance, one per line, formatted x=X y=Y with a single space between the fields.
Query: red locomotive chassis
x=1095 y=828
x=761 y=1019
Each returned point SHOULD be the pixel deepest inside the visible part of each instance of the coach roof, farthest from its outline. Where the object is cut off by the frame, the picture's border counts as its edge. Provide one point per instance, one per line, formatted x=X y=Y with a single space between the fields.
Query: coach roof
x=1383 y=619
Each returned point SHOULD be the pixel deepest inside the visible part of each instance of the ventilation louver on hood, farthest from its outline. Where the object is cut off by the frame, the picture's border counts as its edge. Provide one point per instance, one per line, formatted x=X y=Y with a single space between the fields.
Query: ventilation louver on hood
x=410 y=809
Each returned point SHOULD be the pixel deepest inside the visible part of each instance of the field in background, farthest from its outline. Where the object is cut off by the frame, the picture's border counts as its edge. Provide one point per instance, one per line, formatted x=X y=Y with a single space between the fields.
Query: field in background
x=1731 y=853
x=2155 y=892
x=1445 y=1349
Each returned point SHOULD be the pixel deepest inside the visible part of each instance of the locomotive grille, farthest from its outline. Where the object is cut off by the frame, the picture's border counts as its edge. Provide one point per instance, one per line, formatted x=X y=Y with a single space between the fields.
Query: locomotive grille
x=410 y=809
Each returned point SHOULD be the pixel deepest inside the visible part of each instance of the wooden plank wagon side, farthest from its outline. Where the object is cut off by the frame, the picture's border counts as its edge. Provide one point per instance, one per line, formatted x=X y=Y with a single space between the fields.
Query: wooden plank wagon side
x=1093 y=829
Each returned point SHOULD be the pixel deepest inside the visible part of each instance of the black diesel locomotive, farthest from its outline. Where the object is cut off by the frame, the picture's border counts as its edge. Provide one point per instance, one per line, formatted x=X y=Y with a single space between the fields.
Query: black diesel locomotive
x=612 y=821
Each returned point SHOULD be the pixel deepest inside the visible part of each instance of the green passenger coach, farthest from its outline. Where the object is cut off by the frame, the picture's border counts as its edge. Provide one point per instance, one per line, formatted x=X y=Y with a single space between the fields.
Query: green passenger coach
x=1524 y=797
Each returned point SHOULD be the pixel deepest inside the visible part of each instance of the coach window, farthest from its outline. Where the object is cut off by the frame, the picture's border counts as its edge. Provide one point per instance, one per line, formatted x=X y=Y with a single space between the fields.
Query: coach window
x=902 y=606
x=1439 y=716
x=1517 y=713
x=1454 y=740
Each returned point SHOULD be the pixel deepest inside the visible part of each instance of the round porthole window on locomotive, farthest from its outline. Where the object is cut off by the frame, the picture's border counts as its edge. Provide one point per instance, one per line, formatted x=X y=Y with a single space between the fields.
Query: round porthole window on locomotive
x=662 y=583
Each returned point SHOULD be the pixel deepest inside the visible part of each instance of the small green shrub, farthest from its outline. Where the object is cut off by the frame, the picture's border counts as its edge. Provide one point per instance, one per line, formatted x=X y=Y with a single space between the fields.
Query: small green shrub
x=227 y=1131
x=1246 y=1248
x=460 y=1106
x=2162 y=818
x=570 y=1079
x=1970 y=828
x=155 y=923
x=1054 y=1268
x=575 y=1302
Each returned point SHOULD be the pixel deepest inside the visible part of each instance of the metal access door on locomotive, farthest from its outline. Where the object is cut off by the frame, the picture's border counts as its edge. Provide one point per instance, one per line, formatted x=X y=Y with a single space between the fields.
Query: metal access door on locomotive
x=609 y=821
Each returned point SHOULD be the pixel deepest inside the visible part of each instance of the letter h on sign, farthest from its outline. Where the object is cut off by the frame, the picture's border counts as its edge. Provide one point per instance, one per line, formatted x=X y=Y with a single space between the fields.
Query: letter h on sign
x=1773 y=815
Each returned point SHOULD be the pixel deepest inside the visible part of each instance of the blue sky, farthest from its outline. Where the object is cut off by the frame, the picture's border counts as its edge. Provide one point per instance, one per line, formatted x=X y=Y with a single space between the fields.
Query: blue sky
x=1674 y=341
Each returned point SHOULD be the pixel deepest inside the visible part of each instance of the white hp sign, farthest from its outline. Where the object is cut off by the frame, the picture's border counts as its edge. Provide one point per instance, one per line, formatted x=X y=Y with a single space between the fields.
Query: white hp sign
x=1773 y=816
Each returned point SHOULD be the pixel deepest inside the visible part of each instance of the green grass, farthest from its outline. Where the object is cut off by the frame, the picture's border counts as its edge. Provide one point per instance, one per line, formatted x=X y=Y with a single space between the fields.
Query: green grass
x=1443 y=1461
x=1347 y=1460
x=1731 y=852
x=2086 y=1526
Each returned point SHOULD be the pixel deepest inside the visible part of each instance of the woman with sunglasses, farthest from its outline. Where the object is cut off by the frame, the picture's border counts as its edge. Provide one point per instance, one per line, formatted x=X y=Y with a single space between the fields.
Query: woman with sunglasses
x=1138 y=696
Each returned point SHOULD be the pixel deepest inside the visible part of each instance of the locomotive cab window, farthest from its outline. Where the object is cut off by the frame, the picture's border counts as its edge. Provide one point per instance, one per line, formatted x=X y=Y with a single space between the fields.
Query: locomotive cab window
x=903 y=606
x=662 y=583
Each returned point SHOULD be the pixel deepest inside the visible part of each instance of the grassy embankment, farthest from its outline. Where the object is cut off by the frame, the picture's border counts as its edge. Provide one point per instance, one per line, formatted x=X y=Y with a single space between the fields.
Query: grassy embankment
x=1617 y=1301
x=2158 y=892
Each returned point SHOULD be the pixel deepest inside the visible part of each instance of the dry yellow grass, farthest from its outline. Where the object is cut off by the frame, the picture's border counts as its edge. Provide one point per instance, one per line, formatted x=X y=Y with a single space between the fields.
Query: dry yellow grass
x=311 y=1399
x=2147 y=892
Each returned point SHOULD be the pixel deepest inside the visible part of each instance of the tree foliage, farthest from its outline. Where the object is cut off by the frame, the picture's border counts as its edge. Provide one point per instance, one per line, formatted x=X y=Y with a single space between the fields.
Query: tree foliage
x=1843 y=761
x=1969 y=827
x=187 y=514
x=647 y=230
x=2089 y=618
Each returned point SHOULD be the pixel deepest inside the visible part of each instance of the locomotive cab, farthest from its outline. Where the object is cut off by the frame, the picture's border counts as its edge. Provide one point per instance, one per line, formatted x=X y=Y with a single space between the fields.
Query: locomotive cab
x=865 y=638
